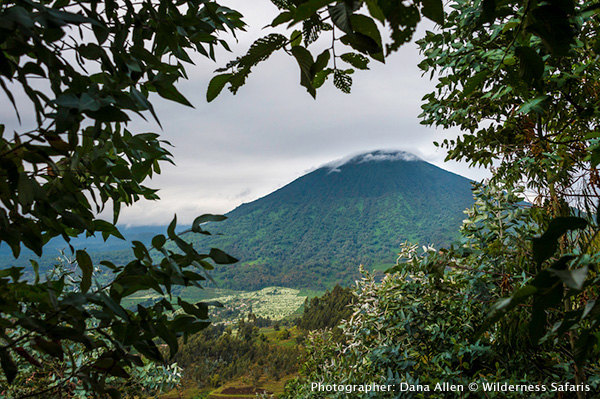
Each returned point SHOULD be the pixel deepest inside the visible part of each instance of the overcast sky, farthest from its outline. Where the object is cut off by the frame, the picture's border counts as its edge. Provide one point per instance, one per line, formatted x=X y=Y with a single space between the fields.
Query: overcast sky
x=240 y=148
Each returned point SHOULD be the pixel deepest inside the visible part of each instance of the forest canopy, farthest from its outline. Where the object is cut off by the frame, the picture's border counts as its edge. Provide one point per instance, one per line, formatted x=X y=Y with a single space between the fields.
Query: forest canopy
x=518 y=77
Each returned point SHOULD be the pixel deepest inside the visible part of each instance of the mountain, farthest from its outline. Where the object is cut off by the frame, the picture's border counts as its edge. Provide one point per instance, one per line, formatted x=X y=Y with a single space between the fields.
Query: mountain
x=317 y=230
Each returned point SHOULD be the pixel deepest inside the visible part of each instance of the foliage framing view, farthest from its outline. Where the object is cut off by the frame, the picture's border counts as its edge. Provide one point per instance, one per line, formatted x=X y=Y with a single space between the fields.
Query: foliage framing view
x=520 y=79
x=518 y=76
x=84 y=65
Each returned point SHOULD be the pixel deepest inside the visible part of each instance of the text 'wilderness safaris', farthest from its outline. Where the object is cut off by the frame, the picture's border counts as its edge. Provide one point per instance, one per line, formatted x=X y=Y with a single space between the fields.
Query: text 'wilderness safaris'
x=448 y=387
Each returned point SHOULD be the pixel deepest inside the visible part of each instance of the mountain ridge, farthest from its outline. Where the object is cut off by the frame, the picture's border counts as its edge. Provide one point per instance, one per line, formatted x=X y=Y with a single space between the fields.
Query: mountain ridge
x=353 y=211
x=315 y=231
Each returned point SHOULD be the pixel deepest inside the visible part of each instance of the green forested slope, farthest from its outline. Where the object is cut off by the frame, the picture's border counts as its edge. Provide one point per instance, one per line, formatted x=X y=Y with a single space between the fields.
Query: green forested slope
x=315 y=231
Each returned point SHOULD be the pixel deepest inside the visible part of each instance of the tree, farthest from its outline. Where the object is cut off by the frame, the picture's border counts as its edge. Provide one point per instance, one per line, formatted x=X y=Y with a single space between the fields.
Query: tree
x=416 y=326
x=99 y=61
x=520 y=79
x=346 y=24
x=86 y=67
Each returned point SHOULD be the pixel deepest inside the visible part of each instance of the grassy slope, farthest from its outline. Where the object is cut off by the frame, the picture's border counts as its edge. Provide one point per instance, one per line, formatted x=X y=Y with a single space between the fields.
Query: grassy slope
x=275 y=387
x=315 y=232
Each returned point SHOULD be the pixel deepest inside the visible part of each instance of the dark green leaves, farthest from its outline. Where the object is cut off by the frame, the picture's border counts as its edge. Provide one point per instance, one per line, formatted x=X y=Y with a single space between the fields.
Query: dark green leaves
x=434 y=10
x=221 y=257
x=356 y=60
x=548 y=287
x=488 y=10
x=340 y=16
x=545 y=246
x=169 y=91
x=551 y=23
x=77 y=156
x=200 y=220
x=364 y=37
x=342 y=80
x=260 y=50
x=87 y=268
x=306 y=10
x=305 y=62
x=158 y=241
x=216 y=85
x=106 y=79
x=8 y=365
x=474 y=83
x=531 y=65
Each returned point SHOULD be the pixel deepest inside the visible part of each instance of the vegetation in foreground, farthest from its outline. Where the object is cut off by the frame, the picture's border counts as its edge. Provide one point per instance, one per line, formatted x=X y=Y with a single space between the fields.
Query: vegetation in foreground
x=255 y=353
x=426 y=321
x=518 y=77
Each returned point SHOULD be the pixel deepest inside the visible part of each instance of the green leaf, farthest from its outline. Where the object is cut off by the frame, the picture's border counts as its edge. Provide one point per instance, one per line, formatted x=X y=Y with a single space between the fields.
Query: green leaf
x=107 y=229
x=114 y=393
x=36 y=271
x=221 y=257
x=474 y=83
x=216 y=85
x=30 y=68
x=320 y=63
x=342 y=81
x=545 y=246
x=535 y=104
x=90 y=51
x=358 y=61
x=114 y=306
x=366 y=26
x=158 y=241
x=73 y=220
x=196 y=225
x=340 y=16
x=53 y=349
x=84 y=261
x=305 y=62
x=101 y=33
x=109 y=114
x=282 y=18
x=375 y=11
x=295 y=38
x=531 y=65
x=488 y=10
x=262 y=49
x=582 y=347
x=551 y=23
x=88 y=103
x=167 y=90
x=309 y=8
x=502 y=306
x=574 y=279
x=8 y=365
x=365 y=45
x=67 y=100
x=118 y=371
x=171 y=229
x=143 y=103
x=200 y=310
x=434 y=10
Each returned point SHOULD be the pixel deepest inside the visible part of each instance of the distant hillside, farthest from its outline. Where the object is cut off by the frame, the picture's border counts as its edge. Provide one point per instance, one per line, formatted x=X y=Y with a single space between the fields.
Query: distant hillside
x=317 y=230
x=114 y=249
